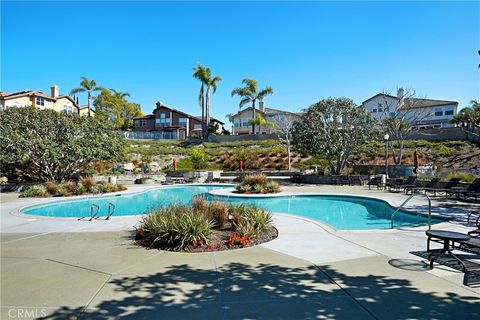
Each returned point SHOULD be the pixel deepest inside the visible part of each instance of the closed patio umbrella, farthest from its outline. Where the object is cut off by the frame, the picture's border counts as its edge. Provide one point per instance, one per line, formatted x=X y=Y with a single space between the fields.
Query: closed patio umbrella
x=415 y=162
x=174 y=165
x=241 y=165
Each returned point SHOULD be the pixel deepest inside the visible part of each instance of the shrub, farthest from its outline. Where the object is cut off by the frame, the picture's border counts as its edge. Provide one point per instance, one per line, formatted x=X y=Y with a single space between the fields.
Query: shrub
x=272 y=187
x=51 y=187
x=69 y=186
x=34 y=191
x=257 y=183
x=79 y=190
x=198 y=158
x=88 y=182
x=176 y=226
x=237 y=240
x=63 y=192
x=243 y=188
x=465 y=176
x=255 y=179
x=199 y=204
x=237 y=212
x=253 y=220
x=218 y=212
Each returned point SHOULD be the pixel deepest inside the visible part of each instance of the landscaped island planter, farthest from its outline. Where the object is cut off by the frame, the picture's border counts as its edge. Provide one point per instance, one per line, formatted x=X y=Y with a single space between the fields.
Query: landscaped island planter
x=205 y=226
x=257 y=183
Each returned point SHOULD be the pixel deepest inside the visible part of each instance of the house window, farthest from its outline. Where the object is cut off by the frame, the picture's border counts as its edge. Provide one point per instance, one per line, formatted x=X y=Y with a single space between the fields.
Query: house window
x=182 y=122
x=448 y=111
x=236 y=122
x=392 y=114
x=163 y=121
x=140 y=123
x=380 y=110
x=374 y=110
x=245 y=122
x=438 y=112
x=40 y=101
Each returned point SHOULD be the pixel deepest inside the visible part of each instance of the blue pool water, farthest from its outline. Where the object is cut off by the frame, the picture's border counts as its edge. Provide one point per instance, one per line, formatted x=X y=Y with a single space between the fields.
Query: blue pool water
x=341 y=212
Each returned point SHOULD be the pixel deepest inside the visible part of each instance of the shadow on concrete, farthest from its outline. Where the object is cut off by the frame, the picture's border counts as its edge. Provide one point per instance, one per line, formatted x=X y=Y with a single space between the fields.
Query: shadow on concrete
x=266 y=291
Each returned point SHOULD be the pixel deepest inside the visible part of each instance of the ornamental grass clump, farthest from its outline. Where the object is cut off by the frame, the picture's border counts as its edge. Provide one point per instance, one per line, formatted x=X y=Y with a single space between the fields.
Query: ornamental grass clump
x=175 y=227
x=257 y=183
x=250 y=220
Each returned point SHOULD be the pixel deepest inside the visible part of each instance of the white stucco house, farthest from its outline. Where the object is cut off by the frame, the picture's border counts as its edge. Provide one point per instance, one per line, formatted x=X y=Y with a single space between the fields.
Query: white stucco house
x=39 y=100
x=420 y=113
x=242 y=119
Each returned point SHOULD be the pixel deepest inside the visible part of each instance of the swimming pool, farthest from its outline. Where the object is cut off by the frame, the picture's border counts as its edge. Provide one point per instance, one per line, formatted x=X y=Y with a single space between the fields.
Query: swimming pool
x=341 y=212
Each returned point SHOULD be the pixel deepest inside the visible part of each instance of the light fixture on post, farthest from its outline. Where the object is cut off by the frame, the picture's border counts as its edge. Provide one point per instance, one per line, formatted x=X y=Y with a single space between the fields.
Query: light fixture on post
x=386 y=137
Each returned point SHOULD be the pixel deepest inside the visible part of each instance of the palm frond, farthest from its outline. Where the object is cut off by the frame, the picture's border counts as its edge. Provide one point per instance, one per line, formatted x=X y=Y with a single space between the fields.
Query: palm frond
x=264 y=92
x=244 y=101
x=77 y=90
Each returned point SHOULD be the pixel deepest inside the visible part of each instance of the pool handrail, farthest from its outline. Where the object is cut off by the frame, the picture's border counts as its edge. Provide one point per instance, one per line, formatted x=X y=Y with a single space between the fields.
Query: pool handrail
x=406 y=201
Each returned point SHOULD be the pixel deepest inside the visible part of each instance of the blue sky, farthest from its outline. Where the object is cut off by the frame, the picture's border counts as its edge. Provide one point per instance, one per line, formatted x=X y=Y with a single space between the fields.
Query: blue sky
x=306 y=51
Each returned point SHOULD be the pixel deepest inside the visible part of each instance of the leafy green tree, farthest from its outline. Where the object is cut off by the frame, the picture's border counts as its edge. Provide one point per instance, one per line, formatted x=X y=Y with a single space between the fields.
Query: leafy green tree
x=112 y=105
x=260 y=122
x=88 y=86
x=469 y=118
x=333 y=128
x=48 y=145
x=198 y=158
x=251 y=94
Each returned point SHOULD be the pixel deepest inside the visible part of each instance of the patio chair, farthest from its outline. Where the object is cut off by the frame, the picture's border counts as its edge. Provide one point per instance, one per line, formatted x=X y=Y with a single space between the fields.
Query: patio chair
x=474 y=187
x=402 y=184
x=452 y=183
x=430 y=184
x=375 y=181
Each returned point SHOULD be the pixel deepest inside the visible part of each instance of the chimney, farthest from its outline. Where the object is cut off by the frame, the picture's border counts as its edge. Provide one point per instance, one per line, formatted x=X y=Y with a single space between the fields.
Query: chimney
x=400 y=93
x=261 y=106
x=54 y=91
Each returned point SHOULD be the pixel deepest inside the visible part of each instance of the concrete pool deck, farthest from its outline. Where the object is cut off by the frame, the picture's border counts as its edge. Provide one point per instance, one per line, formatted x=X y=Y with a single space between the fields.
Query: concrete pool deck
x=64 y=268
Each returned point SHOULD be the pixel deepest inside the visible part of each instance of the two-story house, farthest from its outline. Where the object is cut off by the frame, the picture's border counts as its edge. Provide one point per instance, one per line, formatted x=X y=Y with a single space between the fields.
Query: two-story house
x=172 y=123
x=420 y=113
x=242 y=119
x=40 y=100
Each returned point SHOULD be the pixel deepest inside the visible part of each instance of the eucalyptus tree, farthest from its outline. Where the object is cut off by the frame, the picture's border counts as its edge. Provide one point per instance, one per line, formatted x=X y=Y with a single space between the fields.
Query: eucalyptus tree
x=251 y=94
x=88 y=86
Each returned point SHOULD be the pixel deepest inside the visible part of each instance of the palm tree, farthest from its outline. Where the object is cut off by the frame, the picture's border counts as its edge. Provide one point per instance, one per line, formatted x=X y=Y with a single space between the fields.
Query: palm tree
x=200 y=72
x=250 y=93
x=87 y=86
x=231 y=118
x=211 y=83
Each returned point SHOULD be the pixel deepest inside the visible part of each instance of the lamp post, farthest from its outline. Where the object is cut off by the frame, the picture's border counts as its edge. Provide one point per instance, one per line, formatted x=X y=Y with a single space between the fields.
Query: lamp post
x=386 y=137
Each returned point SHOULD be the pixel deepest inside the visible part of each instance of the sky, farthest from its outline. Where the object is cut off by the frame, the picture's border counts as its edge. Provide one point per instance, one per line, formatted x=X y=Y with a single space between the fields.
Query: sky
x=306 y=51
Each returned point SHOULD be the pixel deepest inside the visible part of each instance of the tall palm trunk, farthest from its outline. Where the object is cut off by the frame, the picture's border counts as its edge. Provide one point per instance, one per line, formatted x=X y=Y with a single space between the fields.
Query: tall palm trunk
x=202 y=95
x=254 y=113
x=88 y=103
x=207 y=109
